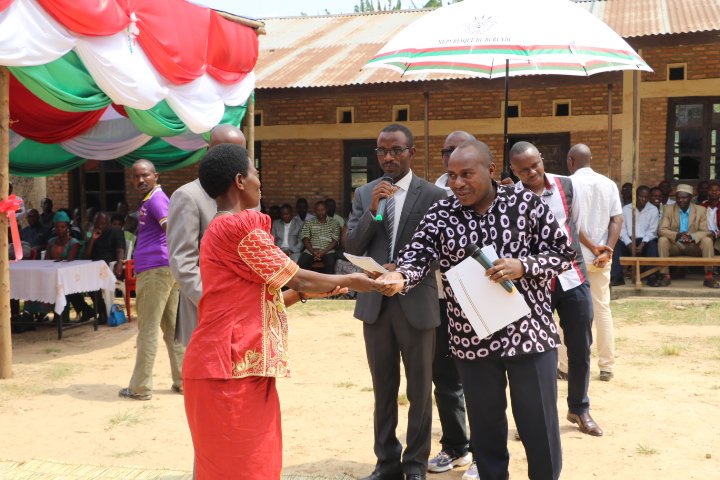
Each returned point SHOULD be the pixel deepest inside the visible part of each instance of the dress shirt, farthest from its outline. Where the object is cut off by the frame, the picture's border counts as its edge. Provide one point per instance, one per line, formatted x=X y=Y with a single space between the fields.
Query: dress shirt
x=285 y=245
x=403 y=184
x=598 y=201
x=518 y=225
x=684 y=220
x=646 y=223
x=566 y=214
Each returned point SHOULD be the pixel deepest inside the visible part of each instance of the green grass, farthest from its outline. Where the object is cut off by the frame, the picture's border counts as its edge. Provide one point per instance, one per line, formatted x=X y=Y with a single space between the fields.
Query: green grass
x=347 y=334
x=18 y=390
x=669 y=350
x=367 y=389
x=59 y=371
x=126 y=418
x=129 y=453
x=667 y=312
x=120 y=357
x=344 y=385
x=50 y=350
x=316 y=307
x=403 y=400
x=645 y=450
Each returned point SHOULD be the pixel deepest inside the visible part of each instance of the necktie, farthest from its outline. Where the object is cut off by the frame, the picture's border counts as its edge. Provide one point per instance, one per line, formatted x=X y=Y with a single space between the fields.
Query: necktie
x=389 y=226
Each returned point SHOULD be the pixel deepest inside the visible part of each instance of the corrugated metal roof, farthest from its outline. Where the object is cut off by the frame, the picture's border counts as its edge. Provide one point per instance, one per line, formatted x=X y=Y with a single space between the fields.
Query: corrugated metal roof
x=326 y=51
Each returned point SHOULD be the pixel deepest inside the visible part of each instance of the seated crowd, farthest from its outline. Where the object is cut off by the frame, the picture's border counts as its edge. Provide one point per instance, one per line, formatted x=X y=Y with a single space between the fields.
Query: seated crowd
x=312 y=240
x=62 y=235
x=667 y=227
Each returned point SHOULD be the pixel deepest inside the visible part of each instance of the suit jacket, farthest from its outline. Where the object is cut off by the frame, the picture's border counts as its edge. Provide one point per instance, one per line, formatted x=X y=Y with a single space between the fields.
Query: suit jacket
x=191 y=211
x=670 y=223
x=365 y=236
x=295 y=242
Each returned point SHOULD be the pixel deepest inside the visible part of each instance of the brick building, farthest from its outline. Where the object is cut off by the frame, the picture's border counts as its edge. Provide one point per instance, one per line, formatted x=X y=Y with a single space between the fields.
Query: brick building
x=317 y=115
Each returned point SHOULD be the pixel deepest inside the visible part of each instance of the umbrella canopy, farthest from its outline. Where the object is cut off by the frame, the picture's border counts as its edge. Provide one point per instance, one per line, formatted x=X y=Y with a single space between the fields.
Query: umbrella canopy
x=120 y=79
x=494 y=39
x=476 y=37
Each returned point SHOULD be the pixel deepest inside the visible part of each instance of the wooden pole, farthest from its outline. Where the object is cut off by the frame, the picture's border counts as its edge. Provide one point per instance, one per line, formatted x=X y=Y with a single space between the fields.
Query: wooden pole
x=5 y=336
x=426 y=119
x=636 y=153
x=250 y=137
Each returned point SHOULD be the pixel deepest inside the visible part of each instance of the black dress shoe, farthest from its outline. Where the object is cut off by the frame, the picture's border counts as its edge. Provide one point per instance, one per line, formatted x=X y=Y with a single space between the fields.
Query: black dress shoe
x=384 y=476
x=415 y=476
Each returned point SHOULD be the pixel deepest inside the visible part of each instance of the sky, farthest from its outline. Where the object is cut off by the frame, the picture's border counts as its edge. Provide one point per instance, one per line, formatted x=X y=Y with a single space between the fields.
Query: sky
x=279 y=8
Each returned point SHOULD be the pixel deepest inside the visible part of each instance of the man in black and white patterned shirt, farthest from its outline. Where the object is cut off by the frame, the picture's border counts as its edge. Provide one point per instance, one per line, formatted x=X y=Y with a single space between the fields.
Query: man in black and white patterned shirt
x=533 y=249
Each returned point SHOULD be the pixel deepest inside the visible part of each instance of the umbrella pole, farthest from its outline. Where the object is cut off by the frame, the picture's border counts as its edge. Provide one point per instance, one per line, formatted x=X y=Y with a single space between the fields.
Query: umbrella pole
x=5 y=336
x=506 y=160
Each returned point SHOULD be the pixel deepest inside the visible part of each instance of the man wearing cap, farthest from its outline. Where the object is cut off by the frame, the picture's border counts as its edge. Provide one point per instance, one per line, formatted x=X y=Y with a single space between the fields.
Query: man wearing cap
x=684 y=231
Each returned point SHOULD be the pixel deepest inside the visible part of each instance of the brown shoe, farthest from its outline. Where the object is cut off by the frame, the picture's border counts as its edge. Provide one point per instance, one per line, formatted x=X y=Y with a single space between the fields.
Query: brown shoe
x=586 y=423
x=711 y=283
x=660 y=282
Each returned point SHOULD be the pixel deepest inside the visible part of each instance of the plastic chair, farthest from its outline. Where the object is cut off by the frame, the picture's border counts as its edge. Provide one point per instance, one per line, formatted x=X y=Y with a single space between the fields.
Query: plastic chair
x=129 y=285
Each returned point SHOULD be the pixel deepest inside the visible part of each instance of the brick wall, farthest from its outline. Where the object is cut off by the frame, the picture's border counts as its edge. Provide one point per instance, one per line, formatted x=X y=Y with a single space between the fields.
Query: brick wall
x=653 y=137
x=659 y=57
x=170 y=182
x=313 y=167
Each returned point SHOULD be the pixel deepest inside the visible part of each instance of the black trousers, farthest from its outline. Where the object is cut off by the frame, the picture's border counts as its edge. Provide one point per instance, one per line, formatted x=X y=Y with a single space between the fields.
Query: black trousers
x=386 y=341
x=329 y=259
x=574 y=307
x=449 y=396
x=533 y=396
x=621 y=250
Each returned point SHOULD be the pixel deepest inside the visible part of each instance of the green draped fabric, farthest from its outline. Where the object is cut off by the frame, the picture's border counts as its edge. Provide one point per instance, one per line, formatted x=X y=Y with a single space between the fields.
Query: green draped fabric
x=33 y=159
x=163 y=155
x=63 y=83
x=159 y=121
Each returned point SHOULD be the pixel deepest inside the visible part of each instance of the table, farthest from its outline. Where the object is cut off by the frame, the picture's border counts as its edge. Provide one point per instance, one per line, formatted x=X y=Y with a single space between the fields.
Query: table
x=48 y=281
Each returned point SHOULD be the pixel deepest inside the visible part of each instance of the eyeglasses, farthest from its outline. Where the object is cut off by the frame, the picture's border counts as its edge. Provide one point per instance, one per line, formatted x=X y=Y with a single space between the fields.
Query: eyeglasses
x=445 y=152
x=394 y=151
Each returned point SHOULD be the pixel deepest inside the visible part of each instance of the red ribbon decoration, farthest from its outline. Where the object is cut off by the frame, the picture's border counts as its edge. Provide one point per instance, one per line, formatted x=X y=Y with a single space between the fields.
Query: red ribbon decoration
x=9 y=206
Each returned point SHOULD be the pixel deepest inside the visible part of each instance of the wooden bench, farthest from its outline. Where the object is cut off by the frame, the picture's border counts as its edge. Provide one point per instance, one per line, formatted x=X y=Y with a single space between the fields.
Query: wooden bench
x=658 y=262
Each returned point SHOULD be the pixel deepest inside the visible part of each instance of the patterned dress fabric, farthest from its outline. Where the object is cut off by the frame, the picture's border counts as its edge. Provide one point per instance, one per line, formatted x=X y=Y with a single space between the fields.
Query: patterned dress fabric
x=238 y=350
x=518 y=225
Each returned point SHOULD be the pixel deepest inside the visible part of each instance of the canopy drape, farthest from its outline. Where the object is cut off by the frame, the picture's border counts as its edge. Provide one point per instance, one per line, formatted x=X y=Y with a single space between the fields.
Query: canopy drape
x=170 y=70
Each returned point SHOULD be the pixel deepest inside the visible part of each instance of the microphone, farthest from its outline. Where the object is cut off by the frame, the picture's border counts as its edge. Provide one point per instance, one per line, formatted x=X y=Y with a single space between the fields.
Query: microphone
x=477 y=255
x=383 y=201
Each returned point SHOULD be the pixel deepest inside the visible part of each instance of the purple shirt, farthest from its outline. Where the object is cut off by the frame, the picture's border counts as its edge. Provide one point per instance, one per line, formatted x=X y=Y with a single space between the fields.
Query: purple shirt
x=151 y=250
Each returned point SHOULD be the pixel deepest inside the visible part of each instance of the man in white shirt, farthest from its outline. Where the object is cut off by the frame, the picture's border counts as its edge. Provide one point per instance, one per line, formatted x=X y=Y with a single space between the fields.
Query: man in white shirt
x=646 y=239
x=600 y=221
x=286 y=231
x=570 y=291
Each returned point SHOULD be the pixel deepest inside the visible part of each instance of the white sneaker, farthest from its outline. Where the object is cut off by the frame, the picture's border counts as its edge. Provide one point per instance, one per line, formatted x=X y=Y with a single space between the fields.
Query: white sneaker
x=443 y=462
x=471 y=473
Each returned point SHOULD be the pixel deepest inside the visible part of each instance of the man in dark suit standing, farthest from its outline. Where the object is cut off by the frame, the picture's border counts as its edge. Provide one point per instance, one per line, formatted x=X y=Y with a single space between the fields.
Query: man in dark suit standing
x=402 y=325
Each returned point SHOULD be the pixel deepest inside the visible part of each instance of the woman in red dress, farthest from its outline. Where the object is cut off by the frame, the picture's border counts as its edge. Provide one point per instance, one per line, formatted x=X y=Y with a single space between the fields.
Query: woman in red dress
x=240 y=344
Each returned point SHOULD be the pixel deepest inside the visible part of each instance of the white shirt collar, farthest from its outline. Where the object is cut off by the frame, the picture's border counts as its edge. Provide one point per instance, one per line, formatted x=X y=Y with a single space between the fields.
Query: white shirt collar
x=404 y=182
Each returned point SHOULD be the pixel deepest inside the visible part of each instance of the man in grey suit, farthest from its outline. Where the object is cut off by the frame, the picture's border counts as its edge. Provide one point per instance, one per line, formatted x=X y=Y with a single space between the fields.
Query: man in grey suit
x=286 y=231
x=191 y=211
x=402 y=325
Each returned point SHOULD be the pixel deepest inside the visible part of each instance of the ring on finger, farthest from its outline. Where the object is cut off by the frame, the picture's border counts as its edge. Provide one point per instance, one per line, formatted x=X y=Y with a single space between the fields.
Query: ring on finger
x=502 y=273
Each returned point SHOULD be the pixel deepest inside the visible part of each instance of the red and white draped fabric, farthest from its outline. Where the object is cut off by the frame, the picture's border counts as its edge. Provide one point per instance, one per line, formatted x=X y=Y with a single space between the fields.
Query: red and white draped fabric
x=170 y=70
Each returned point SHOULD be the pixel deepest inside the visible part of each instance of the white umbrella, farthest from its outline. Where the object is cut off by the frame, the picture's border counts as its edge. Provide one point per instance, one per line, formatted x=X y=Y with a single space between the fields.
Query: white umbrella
x=492 y=39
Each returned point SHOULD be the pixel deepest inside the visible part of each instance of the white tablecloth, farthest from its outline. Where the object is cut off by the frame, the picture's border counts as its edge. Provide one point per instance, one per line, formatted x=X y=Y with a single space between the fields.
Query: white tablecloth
x=49 y=281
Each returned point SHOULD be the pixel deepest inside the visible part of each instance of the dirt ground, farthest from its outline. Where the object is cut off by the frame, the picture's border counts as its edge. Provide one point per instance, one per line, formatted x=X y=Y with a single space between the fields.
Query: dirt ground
x=660 y=413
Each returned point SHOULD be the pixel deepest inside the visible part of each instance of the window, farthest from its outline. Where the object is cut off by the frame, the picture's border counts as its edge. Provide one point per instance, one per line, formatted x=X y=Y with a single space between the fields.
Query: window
x=561 y=108
x=258 y=120
x=401 y=113
x=345 y=114
x=692 y=140
x=676 y=71
x=513 y=110
x=101 y=183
